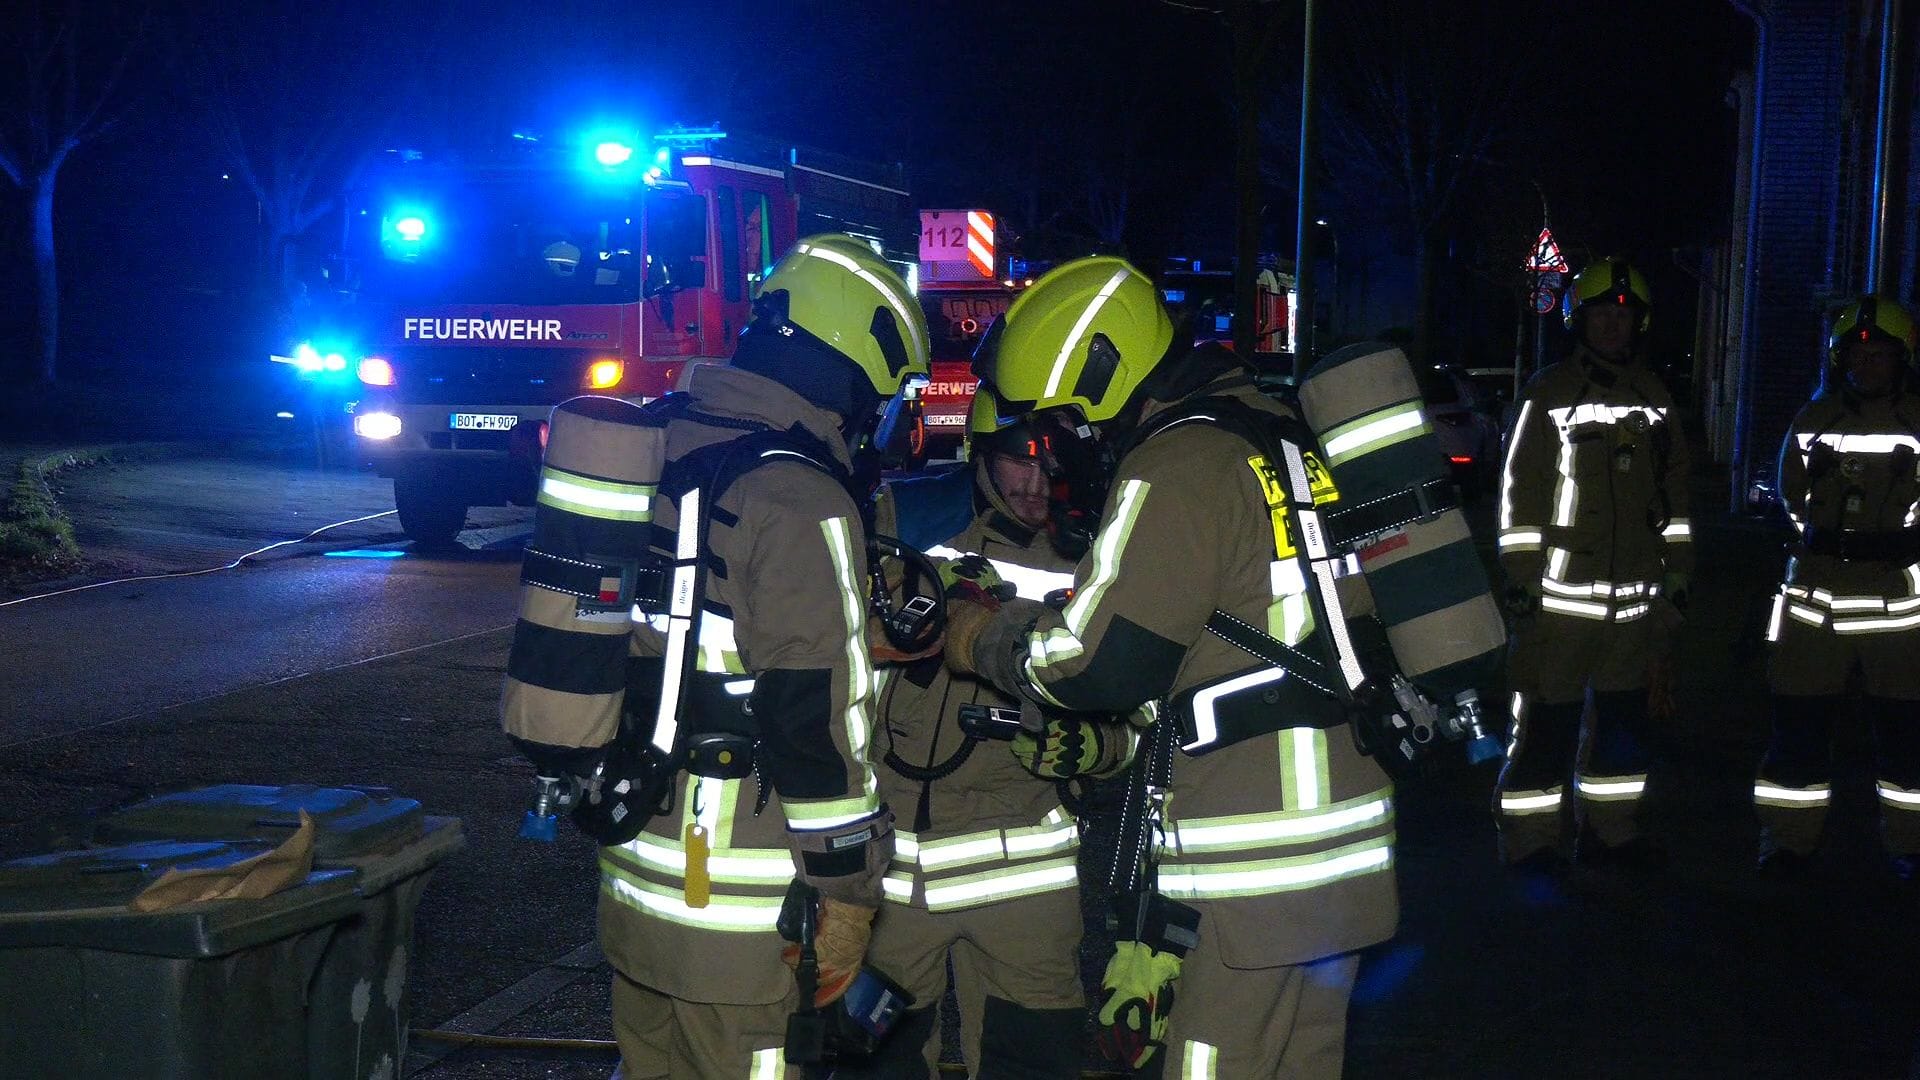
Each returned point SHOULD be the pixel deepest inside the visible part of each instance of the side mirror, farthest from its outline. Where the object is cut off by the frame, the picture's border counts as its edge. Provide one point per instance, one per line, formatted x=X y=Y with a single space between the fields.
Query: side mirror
x=900 y=440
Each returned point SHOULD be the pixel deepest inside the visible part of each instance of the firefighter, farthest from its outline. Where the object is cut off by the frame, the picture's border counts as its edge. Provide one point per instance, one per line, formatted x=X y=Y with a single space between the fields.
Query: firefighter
x=688 y=907
x=1276 y=860
x=984 y=852
x=1850 y=481
x=1594 y=539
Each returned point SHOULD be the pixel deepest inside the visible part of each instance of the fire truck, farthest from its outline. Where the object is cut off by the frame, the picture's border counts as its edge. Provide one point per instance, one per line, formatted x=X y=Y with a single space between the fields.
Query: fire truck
x=965 y=282
x=477 y=294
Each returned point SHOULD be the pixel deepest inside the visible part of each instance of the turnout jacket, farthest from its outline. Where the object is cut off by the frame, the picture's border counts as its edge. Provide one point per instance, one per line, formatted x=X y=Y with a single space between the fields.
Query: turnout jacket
x=1284 y=841
x=990 y=830
x=1850 y=482
x=785 y=613
x=1593 y=496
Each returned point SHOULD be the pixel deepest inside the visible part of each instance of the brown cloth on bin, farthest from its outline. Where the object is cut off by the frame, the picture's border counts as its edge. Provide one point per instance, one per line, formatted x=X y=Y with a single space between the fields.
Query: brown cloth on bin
x=249 y=879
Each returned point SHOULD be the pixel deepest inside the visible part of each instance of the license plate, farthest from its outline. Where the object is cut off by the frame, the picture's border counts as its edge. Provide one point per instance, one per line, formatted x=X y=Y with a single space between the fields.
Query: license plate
x=470 y=421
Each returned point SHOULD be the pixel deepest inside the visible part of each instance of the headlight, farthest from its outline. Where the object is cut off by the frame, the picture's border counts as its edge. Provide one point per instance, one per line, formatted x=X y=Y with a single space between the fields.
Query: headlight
x=605 y=373
x=376 y=425
x=376 y=372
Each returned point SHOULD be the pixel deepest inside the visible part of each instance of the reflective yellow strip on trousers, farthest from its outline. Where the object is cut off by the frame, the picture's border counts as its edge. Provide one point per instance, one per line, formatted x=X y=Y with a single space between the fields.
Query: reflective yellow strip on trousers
x=1055 y=832
x=1001 y=884
x=1791 y=798
x=1896 y=796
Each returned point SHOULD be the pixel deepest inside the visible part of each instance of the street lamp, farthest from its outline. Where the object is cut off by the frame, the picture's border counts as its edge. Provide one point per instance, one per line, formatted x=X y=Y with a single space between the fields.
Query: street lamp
x=1337 y=321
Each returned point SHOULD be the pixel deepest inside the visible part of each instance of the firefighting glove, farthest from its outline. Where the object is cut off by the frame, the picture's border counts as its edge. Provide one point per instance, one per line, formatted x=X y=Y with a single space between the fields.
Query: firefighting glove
x=970 y=609
x=1068 y=747
x=975 y=570
x=1136 y=999
x=1676 y=587
x=839 y=946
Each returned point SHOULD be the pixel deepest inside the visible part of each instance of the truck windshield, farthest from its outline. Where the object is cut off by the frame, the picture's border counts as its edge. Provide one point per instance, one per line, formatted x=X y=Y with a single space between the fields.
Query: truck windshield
x=498 y=245
x=957 y=319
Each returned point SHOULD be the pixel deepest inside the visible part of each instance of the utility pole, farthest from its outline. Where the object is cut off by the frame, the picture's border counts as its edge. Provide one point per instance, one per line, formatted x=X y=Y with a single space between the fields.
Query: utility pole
x=1890 y=15
x=1252 y=26
x=1303 y=220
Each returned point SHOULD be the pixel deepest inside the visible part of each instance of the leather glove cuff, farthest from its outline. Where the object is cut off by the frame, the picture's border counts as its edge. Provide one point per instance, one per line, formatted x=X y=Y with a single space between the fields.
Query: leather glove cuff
x=1001 y=646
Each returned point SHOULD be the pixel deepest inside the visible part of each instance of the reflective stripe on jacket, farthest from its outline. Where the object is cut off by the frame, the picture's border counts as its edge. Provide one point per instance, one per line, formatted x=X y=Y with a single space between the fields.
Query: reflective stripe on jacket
x=1593 y=493
x=1850 y=468
x=785 y=588
x=992 y=830
x=1283 y=841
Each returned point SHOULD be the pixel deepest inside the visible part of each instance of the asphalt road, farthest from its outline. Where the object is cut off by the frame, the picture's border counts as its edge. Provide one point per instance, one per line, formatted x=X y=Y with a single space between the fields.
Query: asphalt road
x=110 y=654
x=328 y=669
x=118 y=651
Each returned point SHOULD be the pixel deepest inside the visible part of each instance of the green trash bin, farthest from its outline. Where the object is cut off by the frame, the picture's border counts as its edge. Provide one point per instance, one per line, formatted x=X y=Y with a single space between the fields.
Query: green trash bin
x=90 y=990
x=357 y=997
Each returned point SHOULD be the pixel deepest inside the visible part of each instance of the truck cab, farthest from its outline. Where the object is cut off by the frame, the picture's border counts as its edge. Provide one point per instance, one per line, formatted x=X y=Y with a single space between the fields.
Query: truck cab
x=479 y=295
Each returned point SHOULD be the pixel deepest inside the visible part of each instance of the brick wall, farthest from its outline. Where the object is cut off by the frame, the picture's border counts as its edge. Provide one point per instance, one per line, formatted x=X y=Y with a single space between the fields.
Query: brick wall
x=1802 y=108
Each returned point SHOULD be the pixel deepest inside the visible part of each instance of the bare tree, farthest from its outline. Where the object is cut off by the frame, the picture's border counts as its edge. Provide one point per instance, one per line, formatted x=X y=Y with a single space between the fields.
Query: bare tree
x=296 y=97
x=70 y=64
x=1418 y=95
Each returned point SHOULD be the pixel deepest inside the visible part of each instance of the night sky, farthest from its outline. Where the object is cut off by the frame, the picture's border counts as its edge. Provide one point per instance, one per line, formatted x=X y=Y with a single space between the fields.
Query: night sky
x=1021 y=108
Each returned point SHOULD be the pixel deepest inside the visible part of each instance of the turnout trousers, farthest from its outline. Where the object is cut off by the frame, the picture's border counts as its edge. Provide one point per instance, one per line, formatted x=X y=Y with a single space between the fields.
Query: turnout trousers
x=1809 y=673
x=1016 y=976
x=1213 y=1034
x=1554 y=660
x=664 y=1038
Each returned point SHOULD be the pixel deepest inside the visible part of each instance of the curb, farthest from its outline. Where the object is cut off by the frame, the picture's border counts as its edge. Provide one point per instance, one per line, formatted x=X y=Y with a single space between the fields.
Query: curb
x=36 y=537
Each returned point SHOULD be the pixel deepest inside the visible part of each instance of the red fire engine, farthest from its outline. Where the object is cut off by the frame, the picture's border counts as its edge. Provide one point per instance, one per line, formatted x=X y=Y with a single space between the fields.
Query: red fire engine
x=478 y=294
x=965 y=284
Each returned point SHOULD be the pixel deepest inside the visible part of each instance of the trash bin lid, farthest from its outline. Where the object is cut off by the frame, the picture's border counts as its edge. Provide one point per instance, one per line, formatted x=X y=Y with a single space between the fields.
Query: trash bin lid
x=79 y=898
x=349 y=823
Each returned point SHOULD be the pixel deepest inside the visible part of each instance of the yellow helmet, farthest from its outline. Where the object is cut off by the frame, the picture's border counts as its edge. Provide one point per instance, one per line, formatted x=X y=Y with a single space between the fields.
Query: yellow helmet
x=836 y=291
x=1084 y=336
x=1609 y=281
x=983 y=415
x=1868 y=317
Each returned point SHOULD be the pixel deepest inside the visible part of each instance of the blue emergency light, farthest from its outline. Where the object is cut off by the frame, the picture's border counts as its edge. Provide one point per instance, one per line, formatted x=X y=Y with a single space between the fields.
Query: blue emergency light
x=406 y=231
x=612 y=154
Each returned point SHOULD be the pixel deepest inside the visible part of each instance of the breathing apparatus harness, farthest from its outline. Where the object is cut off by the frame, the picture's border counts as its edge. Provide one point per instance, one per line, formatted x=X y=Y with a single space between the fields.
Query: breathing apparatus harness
x=633 y=779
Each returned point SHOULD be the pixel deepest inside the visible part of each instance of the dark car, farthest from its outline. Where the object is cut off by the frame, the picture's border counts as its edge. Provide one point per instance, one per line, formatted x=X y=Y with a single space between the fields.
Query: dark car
x=1466 y=420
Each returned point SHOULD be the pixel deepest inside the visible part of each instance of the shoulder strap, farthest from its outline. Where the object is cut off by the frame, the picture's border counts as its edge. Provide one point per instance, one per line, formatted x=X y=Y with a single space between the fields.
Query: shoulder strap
x=1257 y=427
x=695 y=482
x=1283 y=441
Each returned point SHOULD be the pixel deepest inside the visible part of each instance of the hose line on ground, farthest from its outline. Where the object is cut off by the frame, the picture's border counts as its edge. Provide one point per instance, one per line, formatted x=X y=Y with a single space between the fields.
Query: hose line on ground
x=196 y=573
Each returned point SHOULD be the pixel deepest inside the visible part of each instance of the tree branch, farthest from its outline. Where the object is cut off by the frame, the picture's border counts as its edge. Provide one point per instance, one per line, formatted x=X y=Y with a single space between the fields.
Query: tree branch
x=90 y=127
